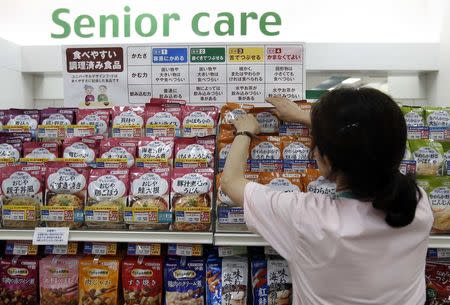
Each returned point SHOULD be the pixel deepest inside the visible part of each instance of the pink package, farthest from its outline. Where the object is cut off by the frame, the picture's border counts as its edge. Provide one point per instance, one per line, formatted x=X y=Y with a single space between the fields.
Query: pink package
x=19 y=280
x=41 y=150
x=22 y=117
x=57 y=116
x=162 y=119
x=101 y=118
x=10 y=148
x=199 y=121
x=159 y=149
x=24 y=136
x=194 y=152
x=81 y=148
x=128 y=122
x=117 y=148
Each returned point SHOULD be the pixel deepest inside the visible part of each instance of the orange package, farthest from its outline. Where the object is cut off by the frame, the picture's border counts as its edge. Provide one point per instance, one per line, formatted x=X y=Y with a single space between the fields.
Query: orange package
x=224 y=141
x=268 y=122
x=231 y=111
x=296 y=154
x=265 y=154
x=285 y=182
x=98 y=281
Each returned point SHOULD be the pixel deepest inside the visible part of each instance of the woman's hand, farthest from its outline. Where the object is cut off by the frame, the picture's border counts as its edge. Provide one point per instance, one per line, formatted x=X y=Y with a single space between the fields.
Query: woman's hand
x=289 y=111
x=247 y=123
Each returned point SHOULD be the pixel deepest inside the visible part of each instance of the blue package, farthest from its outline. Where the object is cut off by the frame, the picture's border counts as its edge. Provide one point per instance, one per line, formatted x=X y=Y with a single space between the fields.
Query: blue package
x=184 y=279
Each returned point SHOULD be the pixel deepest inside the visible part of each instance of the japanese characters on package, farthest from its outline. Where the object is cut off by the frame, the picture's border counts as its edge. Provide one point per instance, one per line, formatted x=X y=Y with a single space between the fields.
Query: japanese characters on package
x=19 y=280
x=155 y=151
x=107 y=198
x=271 y=281
x=231 y=111
x=10 y=148
x=22 y=195
x=296 y=154
x=58 y=280
x=437 y=276
x=148 y=206
x=283 y=182
x=118 y=148
x=194 y=152
x=226 y=280
x=191 y=198
x=268 y=122
x=100 y=118
x=40 y=150
x=199 y=121
x=163 y=118
x=98 y=281
x=265 y=154
x=429 y=157
x=142 y=280
x=127 y=122
x=22 y=120
x=65 y=197
x=85 y=149
x=53 y=123
x=184 y=279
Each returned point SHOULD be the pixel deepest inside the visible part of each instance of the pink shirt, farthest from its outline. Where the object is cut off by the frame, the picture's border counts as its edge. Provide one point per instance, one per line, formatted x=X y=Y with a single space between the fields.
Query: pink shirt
x=341 y=251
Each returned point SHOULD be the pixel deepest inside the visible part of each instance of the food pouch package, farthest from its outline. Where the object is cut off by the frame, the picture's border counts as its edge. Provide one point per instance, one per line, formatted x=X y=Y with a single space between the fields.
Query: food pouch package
x=127 y=122
x=19 y=281
x=23 y=119
x=22 y=195
x=41 y=150
x=23 y=136
x=10 y=148
x=226 y=280
x=184 y=280
x=199 y=121
x=148 y=206
x=57 y=116
x=271 y=281
x=295 y=154
x=98 y=281
x=429 y=157
x=107 y=198
x=194 y=152
x=283 y=182
x=156 y=151
x=163 y=120
x=437 y=277
x=100 y=118
x=231 y=111
x=58 y=280
x=118 y=148
x=142 y=280
x=414 y=116
x=265 y=154
x=268 y=122
x=81 y=148
x=230 y=216
x=296 y=129
x=65 y=196
x=446 y=147
x=437 y=116
x=438 y=191
x=191 y=197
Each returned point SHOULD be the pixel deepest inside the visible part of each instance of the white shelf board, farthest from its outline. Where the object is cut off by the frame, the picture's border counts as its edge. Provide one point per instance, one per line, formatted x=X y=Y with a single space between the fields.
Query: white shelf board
x=439 y=241
x=119 y=236
x=238 y=239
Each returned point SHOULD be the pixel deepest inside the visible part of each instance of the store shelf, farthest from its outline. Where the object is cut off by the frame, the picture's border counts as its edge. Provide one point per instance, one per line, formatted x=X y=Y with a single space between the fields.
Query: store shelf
x=119 y=236
x=239 y=239
x=437 y=241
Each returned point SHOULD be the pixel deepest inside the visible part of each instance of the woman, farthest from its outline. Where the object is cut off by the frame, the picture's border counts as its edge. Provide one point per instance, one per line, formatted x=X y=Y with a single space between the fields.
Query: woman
x=366 y=246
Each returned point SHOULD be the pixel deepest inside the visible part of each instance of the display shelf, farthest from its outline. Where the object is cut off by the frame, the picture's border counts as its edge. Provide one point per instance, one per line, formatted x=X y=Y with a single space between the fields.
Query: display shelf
x=119 y=236
x=238 y=239
x=439 y=241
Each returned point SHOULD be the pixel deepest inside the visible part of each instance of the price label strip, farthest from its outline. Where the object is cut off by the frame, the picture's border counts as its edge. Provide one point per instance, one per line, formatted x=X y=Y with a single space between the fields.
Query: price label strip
x=140 y=215
x=100 y=248
x=69 y=249
x=232 y=251
x=20 y=248
x=185 y=249
x=79 y=130
x=144 y=249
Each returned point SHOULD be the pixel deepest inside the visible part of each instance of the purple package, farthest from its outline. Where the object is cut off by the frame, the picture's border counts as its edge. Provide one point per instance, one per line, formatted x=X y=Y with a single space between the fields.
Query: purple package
x=10 y=148
x=57 y=116
x=22 y=117
x=23 y=136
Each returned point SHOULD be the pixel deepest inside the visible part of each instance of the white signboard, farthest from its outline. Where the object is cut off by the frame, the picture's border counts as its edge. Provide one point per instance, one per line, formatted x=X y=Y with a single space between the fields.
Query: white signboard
x=98 y=76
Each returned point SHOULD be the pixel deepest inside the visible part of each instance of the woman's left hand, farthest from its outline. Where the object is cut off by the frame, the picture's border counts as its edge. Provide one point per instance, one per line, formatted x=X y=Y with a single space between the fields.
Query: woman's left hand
x=247 y=123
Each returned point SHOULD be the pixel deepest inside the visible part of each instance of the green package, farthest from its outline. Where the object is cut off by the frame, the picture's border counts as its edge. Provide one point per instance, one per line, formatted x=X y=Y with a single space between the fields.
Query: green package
x=414 y=116
x=437 y=116
x=438 y=192
x=429 y=157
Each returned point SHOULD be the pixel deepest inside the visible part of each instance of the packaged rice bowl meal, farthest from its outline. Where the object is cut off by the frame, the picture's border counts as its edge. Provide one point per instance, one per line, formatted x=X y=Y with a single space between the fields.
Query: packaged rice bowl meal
x=148 y=206
x=57 y=116
x=81 y=148
x=19 y=281
x=163 y=119
x=100 y=118
x=22 y=195
x=127 y=122
x=156 y=150
x=41 y=150
x=437 y=116
x=265 y=154
x=191 y=198
x=98 y=281
x=438 y=191
x=231 y=111
x=414 y=116
x=10 y=148
x=107 y=198
x=194 y=152
x=429 y=157
x=65 y=197
x=142 y=280
x=23 y=119
x=119 y=148
x=184 y=279
x=437 y=277
x=199 y=121
x=267 y=120
x=284 y=182
x=227 y=280
x=58 y=280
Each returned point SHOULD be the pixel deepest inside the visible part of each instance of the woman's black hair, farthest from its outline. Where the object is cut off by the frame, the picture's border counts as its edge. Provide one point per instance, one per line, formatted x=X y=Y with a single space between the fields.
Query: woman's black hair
x=362 y=132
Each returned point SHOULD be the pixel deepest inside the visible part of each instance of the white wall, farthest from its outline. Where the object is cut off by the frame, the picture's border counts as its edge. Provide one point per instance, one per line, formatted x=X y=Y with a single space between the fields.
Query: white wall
x=16 y=88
